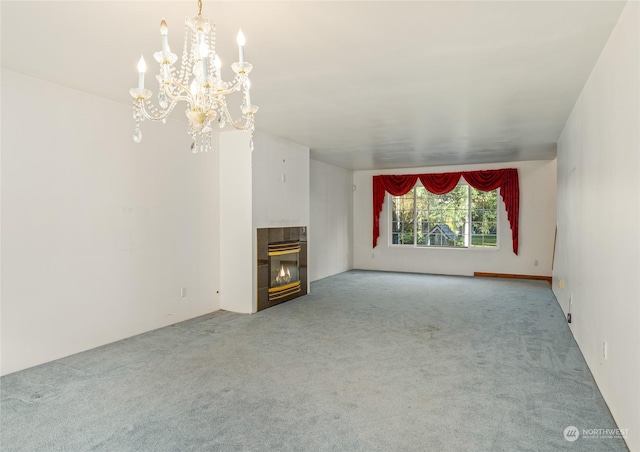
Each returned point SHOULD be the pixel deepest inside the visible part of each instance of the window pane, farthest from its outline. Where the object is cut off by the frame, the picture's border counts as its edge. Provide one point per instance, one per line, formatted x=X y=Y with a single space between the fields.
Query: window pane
x=402 y=219
x=442 y=219
x=484 y=218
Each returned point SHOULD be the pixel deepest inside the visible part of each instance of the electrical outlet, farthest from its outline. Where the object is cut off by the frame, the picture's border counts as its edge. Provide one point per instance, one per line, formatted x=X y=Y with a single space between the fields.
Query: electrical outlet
x=536 y=263
x=183 y=292
x=604 y=349
x=561 y=284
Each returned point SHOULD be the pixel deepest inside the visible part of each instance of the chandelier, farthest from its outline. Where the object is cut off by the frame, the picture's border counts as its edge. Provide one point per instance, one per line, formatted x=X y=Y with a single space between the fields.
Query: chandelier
x=198 y=82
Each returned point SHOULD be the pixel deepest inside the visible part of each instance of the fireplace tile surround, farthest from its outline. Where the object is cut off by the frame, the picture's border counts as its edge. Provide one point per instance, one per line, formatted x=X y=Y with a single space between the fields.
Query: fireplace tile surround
x=276 y=236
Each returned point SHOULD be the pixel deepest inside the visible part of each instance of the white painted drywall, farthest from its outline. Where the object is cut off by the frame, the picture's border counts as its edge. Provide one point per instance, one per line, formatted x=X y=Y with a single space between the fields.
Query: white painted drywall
x=280 y=194
x=331 y=195
x=237 y=255
x=280 y=183
x=99 y=233
x=537 y=228
x=598 y=246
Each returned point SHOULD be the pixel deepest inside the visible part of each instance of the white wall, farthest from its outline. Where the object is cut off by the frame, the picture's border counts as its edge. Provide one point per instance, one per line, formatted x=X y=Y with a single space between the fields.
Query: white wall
x=331 y=220
x=537 y=229
x=237 y=255
x=278 y=201
x=598 y=247
x=99 y=233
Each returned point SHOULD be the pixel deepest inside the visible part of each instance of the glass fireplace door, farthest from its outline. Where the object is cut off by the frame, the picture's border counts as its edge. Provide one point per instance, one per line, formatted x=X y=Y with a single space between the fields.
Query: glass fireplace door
x=284 y=269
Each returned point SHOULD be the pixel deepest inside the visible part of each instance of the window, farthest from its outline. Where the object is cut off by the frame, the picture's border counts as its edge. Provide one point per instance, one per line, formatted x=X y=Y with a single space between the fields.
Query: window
x=462 y=218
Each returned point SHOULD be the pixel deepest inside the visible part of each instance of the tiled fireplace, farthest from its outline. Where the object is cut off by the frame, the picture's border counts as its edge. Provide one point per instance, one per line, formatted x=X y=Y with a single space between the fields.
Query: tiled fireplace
x=282 y=265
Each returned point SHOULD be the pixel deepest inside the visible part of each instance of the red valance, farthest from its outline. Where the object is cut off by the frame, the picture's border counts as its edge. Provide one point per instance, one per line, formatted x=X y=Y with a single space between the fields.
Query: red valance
x=441 y=183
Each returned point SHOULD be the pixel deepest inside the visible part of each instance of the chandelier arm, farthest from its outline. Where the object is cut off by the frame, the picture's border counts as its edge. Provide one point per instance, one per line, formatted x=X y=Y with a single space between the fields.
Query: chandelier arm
x=163 y=114
x=248 y=117
x=244 y=127
x=181 y=88
x=232 y=89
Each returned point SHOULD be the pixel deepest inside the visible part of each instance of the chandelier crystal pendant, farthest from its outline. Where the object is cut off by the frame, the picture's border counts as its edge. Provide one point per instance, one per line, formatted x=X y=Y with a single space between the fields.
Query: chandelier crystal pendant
x=198 y=82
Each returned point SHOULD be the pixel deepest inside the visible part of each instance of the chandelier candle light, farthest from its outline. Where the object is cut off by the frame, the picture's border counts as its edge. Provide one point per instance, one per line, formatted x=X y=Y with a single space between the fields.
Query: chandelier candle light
x=198 y=82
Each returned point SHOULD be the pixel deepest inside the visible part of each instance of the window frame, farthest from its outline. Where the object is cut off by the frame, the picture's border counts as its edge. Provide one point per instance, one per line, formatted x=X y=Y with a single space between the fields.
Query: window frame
x=415 y=244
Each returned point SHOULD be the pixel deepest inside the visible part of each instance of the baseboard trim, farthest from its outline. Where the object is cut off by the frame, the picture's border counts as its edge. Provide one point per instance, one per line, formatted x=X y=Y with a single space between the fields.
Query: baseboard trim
x=512 y=276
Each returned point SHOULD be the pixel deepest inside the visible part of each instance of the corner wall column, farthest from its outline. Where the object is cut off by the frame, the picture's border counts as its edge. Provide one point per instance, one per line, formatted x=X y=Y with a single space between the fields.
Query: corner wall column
x=237 y=259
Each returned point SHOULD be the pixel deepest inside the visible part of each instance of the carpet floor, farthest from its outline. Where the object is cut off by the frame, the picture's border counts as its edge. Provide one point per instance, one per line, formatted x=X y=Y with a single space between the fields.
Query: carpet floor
x=369 y=361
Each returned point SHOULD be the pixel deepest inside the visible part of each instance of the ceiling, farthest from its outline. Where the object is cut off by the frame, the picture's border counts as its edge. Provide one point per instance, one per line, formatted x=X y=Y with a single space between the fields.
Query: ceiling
x=365 y=84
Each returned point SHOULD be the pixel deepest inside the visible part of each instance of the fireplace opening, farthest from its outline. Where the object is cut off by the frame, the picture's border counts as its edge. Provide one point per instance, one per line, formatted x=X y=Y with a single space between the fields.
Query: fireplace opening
x=281 y=260
x=284 y=274
x=284 y=268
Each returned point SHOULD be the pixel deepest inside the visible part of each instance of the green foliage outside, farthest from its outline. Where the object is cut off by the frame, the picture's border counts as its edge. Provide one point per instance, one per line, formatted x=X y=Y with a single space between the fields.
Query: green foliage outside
x=483 y=240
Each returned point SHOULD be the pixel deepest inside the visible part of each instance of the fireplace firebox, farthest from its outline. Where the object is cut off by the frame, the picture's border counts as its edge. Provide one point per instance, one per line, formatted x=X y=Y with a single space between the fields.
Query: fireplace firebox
x=282 y=265
x=284 y=269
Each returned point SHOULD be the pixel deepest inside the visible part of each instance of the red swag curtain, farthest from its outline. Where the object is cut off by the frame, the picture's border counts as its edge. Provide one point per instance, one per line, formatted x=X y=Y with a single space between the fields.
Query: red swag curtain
x=441 y=183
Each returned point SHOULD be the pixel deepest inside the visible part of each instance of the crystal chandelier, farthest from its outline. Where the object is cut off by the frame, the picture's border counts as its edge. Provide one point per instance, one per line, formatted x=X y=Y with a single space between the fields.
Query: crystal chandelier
x=198 y=82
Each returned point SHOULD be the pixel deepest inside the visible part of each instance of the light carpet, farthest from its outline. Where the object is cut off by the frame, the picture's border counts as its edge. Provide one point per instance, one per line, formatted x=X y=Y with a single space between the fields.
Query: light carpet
x=369 y=361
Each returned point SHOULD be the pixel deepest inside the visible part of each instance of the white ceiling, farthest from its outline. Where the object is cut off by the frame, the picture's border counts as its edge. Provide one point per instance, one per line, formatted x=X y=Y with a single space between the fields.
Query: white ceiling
x=365 y=85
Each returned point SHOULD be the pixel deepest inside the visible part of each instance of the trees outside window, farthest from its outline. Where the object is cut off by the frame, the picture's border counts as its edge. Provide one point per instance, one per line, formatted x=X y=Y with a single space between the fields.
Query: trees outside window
x=403 y=219
x=462 y=218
